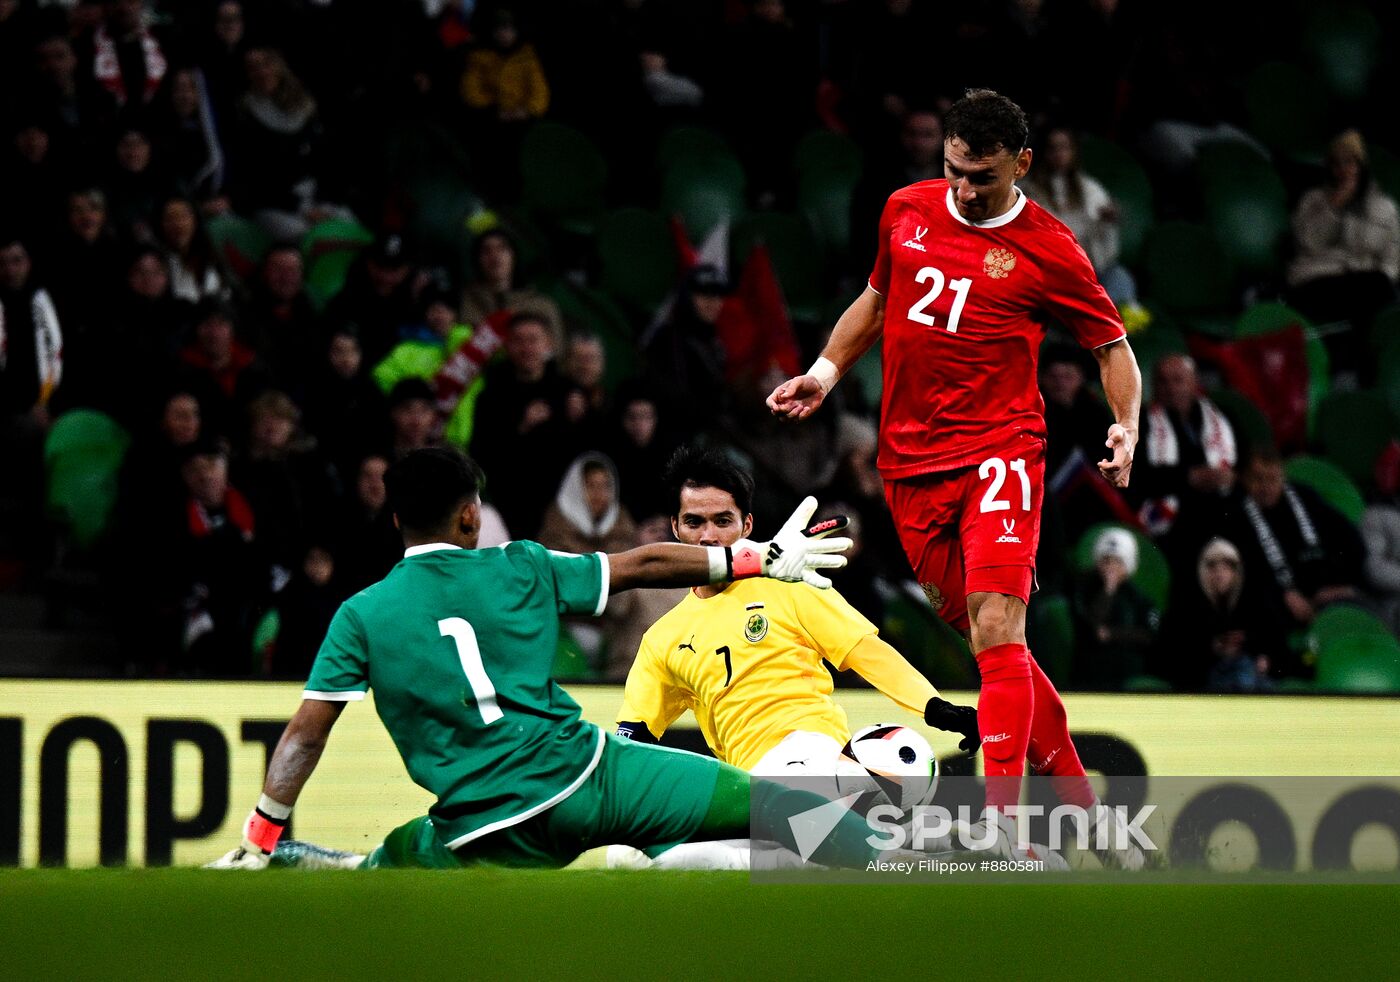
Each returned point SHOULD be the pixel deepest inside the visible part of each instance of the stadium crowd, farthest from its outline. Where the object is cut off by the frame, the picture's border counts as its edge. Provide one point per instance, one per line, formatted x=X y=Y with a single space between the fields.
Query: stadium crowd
x=251 y=251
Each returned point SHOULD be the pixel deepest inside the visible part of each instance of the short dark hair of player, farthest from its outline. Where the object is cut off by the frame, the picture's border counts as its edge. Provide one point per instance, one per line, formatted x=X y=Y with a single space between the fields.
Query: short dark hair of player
x=987 y=121
x=697 y=467
x=427 y=488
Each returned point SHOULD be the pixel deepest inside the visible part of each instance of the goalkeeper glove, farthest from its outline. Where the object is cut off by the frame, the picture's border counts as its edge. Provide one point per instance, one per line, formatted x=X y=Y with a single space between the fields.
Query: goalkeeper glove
x=943 y=715
x=261 y=831
x=795 y=553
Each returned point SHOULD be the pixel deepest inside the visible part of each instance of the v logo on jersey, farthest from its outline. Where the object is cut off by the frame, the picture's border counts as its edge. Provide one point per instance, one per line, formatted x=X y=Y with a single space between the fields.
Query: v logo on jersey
x=916 y=242
x=1009 y=524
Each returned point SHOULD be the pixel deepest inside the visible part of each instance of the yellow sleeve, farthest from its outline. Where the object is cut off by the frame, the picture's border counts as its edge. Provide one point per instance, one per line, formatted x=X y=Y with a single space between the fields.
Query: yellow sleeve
x=833 y=625
x=478 y=82
x=883 y=667
x=650 y=696
x=536 y=86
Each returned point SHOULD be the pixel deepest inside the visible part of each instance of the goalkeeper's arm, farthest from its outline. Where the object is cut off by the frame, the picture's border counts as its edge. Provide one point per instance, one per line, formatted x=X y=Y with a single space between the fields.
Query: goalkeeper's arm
x=296 y=757
x=885 y=668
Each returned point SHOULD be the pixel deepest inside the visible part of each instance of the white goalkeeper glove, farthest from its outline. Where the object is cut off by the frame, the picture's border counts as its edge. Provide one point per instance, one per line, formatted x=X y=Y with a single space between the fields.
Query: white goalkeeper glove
x=797 y=552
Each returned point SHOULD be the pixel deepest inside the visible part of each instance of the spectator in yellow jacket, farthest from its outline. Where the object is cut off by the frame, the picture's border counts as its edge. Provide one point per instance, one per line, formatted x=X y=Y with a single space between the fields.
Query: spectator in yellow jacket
x=507 y=76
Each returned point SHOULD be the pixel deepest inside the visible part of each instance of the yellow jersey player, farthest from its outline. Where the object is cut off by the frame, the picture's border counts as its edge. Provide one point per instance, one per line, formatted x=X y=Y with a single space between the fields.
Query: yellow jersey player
x=746 y=659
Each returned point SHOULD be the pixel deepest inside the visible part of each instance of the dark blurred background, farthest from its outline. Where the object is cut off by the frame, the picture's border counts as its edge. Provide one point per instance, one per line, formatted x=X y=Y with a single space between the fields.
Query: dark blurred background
x=251 y=252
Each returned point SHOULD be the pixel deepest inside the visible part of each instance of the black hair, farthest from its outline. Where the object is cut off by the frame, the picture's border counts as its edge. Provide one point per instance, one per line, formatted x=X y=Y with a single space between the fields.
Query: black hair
x=987 y=121
x=696 y=467
x=428 y=487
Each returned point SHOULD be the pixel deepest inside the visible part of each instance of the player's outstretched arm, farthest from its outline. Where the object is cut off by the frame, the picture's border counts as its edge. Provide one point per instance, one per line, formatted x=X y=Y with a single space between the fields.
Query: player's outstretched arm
x=854 y=334
x=1122 y=384
x=296 y=756
x=887 y=670
x=797 y=552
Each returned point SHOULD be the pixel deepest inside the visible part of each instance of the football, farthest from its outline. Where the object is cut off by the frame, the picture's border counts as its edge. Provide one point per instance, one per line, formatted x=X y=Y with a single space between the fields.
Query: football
x=895 y=762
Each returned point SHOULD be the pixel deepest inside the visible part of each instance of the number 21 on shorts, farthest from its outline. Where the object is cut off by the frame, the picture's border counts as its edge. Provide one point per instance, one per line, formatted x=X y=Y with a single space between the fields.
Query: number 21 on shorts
x=995 y=468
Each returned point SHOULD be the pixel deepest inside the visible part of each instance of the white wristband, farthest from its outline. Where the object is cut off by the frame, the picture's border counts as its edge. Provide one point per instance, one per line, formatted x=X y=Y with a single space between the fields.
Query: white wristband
x=826 y=373
x=719 y=563
x=273 y=809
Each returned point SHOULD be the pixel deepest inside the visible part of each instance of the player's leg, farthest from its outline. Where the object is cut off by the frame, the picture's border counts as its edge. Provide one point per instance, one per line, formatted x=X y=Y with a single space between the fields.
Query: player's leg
x=1006 y=704
x=413 y=845
x=651 y=795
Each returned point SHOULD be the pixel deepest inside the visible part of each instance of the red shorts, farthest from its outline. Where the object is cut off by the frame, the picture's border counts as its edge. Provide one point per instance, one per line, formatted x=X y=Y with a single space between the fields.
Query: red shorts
x=975 y=529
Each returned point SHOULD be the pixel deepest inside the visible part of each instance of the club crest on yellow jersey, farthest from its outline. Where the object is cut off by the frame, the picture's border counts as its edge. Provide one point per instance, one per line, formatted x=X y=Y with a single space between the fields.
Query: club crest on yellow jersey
x=756 y=628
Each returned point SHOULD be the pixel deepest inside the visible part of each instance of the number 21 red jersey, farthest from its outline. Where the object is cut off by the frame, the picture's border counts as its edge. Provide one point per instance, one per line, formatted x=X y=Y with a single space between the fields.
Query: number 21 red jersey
x=966 y=308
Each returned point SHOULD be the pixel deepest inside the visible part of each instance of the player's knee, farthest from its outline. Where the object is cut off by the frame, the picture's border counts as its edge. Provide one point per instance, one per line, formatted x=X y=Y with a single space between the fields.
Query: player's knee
x=994 y=622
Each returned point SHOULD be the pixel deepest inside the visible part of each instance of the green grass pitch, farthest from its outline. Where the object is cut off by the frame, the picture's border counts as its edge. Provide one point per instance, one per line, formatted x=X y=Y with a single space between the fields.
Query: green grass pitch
x=630 y=927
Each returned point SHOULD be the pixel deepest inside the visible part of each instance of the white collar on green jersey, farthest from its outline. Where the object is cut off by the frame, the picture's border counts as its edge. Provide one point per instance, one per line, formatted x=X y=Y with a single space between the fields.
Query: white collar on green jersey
x=412 y=551
x=997 y=222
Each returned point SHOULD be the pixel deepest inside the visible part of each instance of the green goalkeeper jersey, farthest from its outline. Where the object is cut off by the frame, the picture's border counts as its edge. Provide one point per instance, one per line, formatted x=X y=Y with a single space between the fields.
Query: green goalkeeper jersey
x=458 y=646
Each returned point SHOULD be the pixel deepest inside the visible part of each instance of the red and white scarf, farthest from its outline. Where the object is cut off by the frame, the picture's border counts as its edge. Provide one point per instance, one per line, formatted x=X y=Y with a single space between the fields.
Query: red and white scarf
x=1217 y=437
x=48 y=343
x=107 y=69
x=464 y=365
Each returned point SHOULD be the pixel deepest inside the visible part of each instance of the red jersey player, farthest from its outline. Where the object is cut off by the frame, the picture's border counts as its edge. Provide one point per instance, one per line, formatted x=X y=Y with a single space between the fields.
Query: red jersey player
x=968 y=273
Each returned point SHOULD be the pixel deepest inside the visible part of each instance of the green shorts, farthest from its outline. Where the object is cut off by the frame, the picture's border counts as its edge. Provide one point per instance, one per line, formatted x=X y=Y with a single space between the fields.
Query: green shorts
x=639 y=795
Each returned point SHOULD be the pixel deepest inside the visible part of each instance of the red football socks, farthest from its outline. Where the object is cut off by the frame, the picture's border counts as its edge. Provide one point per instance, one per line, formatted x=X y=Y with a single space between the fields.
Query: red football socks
x=1004 y=711
x=1051 y=750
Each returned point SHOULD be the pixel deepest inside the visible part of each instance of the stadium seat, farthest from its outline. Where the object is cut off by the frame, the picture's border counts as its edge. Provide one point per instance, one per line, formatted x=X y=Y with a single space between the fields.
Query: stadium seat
x=326 y=275
x=824 y=197
x=688 y=143
x=1124 y=178
x=823 y=151
x=1352 y=429
x=795 y=258
x=335 y=234
x=241 y=243
x=637 y=255
x=1385 y=168
x=704 y=193
x=1146 y=683
x=1051 y=635
x=1249 y=215
x=594 y=311
x=1266 y=318
x=1288 y=111
x=562 y=176
x=1370 y=665
x=1187 y=271
x=1385 y=329
x=1252 y=427
x=1330 y=482
x=83 y=456
x=1153 y=576
x=1344 y=45
x=1152 y=344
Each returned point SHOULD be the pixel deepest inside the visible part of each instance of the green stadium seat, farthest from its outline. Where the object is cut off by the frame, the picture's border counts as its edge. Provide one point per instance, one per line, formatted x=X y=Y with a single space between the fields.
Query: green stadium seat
x=689 y=143
x=83 y=455
x=1385 y=168
x=1052 y=635
x=1153 y=577
x=1343 y=44
x=1352 y=429
x=1385 y=329
x=825 y=152
x=563 y=176
x=1252 y=427
x=824 y=197
x=333 y=235
x=1365 y=664
x=1187 y=271
x=326 y=276
x=637 y=255
x=795 y=258
x=704 y=193
x=1250 y=219
x=1146 y=683
x=1123 y=177
x=594 y=311
x=1266 y=318
x=241 y=243
x=1288 y=111
x=1330 y=482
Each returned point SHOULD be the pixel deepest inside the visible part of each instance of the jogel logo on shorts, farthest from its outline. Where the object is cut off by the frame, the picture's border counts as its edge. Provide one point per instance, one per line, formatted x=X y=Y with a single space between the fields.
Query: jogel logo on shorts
x=756 y=628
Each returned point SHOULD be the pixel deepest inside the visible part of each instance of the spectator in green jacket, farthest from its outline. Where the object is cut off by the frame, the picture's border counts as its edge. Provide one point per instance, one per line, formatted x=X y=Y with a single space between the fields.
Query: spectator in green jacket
x=422 y=354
